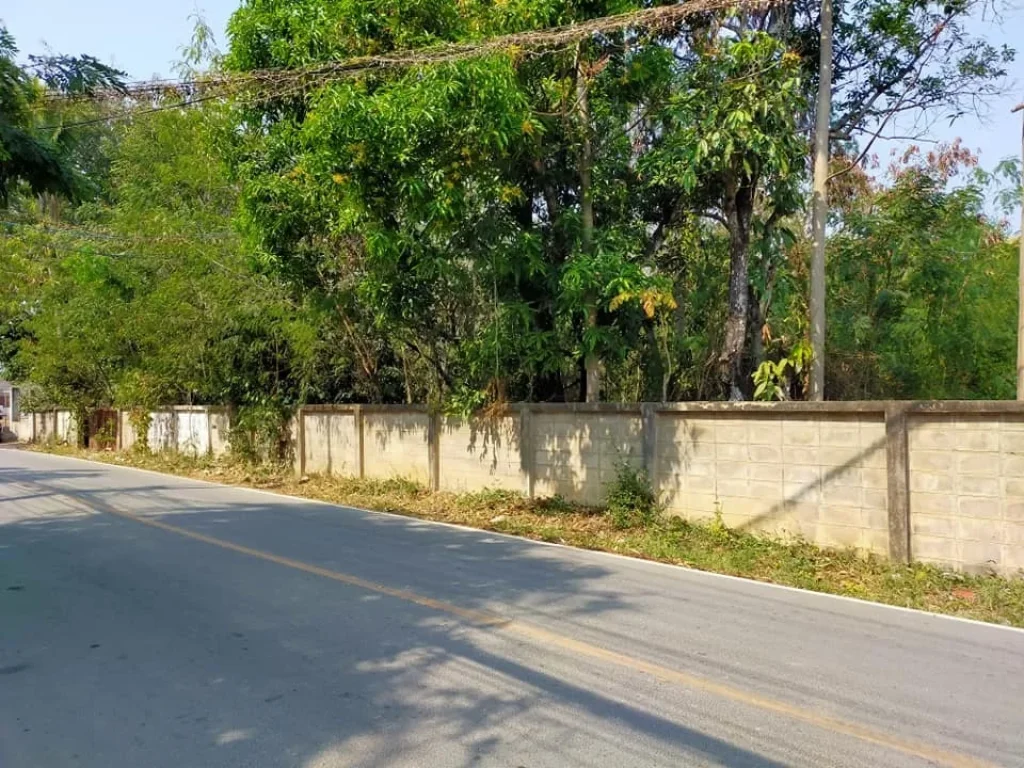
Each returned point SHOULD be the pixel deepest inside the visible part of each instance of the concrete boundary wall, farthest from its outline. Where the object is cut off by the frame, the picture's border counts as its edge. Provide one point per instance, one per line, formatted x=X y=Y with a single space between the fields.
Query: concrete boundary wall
x=941 y=482
x=45 y=426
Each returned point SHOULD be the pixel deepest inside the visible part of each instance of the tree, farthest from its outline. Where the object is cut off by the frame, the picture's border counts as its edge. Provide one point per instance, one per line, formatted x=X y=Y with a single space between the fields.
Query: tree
x=152 y=300
x=732 y=148
x=922 y=286
x=889 y=70
x=485 y=217
x=29 y=153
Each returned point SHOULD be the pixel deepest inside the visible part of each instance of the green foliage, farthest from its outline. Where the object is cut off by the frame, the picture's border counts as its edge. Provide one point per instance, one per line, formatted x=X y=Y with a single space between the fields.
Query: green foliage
x=140 y=419
x=451 y=194
x=261 y=434
x=733 y=118
x=418 y=234
x=922 y=288
x=151 y=299
x=631 y=500
x=28 y=155
x=105 y=438
x=773 y=380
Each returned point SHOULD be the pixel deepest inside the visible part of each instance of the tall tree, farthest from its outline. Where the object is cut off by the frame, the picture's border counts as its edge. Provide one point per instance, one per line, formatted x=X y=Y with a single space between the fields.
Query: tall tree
x=732 y=148
x=922 y=285
x=497 y=197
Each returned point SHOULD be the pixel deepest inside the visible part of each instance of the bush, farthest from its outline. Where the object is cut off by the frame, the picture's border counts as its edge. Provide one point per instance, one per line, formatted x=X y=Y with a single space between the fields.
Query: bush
x=260 y=434
x=632 y=502
x=141 y=420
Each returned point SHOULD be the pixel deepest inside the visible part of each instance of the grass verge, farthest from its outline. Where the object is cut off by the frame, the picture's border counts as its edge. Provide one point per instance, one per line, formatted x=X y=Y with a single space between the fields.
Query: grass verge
x=707 y=546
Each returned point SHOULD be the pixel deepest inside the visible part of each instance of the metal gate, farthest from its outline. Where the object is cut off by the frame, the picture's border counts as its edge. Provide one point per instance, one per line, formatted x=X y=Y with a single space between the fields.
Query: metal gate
x=102 y=432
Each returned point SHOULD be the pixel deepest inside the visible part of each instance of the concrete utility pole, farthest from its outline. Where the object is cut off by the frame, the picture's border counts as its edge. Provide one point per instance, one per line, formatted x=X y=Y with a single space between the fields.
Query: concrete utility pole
x=1020 y=276
x=819 y=211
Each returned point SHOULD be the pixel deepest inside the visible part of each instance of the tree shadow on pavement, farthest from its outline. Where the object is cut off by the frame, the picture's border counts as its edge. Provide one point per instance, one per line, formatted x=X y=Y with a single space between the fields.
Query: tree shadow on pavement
x=139 y=646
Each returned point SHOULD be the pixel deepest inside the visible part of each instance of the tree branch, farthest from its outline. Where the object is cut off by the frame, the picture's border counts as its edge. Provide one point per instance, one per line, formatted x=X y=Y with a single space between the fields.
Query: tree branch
x=854 y=117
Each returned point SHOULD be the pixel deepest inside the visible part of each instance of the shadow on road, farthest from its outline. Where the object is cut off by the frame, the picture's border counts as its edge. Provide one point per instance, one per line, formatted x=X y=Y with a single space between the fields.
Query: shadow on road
x=151 y=648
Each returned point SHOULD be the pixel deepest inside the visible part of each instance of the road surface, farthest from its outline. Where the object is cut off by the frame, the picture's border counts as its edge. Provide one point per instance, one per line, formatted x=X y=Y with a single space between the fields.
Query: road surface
x=154 y=621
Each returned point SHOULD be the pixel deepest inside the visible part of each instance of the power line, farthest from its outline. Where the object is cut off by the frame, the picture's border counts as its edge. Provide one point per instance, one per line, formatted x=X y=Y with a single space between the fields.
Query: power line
x=100 y=235
x=275 y=83
x=108 y=237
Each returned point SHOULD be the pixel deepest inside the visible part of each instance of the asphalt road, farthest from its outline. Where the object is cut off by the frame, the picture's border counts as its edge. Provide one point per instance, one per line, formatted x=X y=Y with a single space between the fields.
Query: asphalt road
x=152 y=621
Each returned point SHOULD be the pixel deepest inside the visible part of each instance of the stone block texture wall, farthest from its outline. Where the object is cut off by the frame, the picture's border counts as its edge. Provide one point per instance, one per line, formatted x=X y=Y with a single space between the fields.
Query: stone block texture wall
x=476 y=454
x=937 y=482
x=822 y=478
x=576 y=455
x=330 y=443
x=395 y=445
x=967 y=490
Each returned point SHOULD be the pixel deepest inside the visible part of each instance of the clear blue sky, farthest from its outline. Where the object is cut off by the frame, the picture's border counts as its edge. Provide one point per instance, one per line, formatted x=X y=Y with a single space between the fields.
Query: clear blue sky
x=144 y=39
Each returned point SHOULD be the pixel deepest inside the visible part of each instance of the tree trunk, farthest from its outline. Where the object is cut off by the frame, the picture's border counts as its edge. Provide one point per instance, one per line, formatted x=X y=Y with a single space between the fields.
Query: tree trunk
x=738 y=209
x=593 y=360
x=593 y=363
x=757 y=352
x=819 y=212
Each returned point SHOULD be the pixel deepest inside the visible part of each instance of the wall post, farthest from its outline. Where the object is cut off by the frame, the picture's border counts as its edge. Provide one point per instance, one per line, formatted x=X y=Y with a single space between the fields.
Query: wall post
x=526 y=452
x=649 y=435
x=434 y=450
x=301 y=416
x=174 y=429
x=897 y=456
x=327 y=432
x=360 y=462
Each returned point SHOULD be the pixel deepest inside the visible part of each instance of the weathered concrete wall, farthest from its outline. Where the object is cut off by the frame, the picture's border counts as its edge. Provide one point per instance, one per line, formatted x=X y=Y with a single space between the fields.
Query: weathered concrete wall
x=126 y=437
x=967 y=490
x=192 y=431
x=939 y=482
x=819 y=477
x=65 y=427
x=160 y=436
x=329 y=442
x=475 y=454
x=576 y=455
x=316 y=440
x=220 y=432
x=46 y=426
x=395 y=445
x=343 y=444
x=22 y=428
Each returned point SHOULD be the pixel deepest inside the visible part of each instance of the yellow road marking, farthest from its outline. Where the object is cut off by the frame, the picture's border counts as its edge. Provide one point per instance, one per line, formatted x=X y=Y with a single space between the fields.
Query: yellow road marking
x=470 y=615
x=553 y=639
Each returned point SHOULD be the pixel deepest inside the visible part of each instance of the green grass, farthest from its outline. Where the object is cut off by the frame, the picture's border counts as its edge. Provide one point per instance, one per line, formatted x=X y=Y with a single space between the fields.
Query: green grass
x=706 y=545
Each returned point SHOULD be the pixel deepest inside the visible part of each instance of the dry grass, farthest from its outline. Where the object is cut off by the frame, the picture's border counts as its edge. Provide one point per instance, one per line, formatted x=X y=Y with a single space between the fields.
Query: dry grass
x=708 y=546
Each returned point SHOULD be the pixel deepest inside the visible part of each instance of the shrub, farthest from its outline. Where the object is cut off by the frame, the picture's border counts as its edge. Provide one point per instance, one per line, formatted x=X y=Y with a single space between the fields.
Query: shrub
x=141 y=420
x=631 y=501
x=260 y=433
x=554 y=505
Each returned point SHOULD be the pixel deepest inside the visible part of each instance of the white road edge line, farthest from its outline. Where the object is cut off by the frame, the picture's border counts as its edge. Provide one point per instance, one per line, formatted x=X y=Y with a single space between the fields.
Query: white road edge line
x=635 y=560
